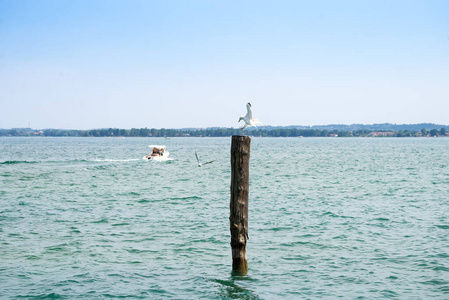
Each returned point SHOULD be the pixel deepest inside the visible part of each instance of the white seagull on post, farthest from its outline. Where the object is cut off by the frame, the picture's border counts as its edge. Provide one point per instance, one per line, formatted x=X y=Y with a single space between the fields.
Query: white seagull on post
x=248 y=119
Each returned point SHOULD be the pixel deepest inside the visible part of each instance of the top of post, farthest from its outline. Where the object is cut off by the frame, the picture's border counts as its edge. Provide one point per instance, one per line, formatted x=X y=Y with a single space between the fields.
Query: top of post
x=241 y=137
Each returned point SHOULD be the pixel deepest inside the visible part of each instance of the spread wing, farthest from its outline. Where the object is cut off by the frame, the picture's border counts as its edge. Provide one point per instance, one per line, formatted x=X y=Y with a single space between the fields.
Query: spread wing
x=208 y=162
x=257 y=121
x=249 y=114
x=197 y=157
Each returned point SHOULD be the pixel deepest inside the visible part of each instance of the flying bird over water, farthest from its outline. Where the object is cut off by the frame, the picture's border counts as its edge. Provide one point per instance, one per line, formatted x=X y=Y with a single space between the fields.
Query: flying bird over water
x=199 y=164
x=248 y=119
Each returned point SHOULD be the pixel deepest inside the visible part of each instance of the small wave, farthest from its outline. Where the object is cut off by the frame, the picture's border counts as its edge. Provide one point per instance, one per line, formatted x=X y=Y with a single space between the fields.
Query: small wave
x=442 y=226
x=331 y=214
x=56 y=248
x=42 y=296
x=130 y=194
x=32 y=257
x=138 y=251
x=441 y=268
x=232 y=290
x=342 y=236
x=12 y=162
x=186 y=198
x=104 y=220
x=297 y=257
x=435 y=282
x=442 y=255
x=121 y=224
x=280 y=228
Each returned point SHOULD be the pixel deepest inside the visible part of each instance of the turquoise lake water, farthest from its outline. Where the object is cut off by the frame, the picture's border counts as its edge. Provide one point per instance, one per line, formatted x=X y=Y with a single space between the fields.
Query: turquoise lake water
x=88 y=218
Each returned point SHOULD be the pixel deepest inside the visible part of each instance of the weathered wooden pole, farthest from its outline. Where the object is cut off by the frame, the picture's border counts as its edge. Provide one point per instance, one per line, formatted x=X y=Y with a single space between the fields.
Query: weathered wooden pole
x=240 y=151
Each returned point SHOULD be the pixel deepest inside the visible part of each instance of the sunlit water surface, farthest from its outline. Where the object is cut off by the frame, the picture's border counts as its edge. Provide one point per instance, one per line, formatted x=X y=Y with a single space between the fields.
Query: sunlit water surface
x=88 y=218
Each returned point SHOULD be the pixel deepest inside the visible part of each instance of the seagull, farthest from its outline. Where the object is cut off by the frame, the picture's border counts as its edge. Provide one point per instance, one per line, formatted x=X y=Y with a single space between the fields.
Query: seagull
x=248 y=119
x=199 y=164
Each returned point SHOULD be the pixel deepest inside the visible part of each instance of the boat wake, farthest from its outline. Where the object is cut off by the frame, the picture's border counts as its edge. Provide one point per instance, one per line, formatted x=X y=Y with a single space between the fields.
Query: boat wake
x=159 y=160
x=116 y=160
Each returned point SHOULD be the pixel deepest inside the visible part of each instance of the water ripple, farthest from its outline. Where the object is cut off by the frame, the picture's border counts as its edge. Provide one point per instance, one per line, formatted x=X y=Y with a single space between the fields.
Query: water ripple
x=348 y=218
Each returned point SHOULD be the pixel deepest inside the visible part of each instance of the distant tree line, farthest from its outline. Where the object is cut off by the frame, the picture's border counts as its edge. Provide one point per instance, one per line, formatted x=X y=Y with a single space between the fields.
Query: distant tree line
x=217 y=132
x=375 y=127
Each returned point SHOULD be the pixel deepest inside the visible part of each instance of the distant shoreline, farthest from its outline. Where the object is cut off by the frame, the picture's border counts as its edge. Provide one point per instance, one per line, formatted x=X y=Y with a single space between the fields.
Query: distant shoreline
x=426 y=130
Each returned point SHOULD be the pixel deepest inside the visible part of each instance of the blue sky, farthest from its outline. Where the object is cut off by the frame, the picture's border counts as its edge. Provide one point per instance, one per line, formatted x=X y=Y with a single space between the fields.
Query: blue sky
x=172 y=64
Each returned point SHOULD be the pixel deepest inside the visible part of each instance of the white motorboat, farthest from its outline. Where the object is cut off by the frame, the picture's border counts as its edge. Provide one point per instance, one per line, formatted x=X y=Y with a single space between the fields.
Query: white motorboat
x=158 y=153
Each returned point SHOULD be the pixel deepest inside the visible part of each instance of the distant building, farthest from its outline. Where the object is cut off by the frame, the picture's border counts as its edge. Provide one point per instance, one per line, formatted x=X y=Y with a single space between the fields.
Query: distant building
x=333 y=135
x=381 y=133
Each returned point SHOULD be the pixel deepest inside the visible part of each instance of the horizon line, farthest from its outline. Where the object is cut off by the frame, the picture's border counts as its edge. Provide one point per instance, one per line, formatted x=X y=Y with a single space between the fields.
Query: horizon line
x=209 y=127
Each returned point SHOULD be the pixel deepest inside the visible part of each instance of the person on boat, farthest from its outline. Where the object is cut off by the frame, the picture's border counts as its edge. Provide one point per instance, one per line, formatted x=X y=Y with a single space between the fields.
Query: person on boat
x=162 y=152
x=155 y=152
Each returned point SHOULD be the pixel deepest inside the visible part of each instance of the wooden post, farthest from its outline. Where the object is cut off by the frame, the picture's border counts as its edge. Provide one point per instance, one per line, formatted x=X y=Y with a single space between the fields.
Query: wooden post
x=240 y=151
